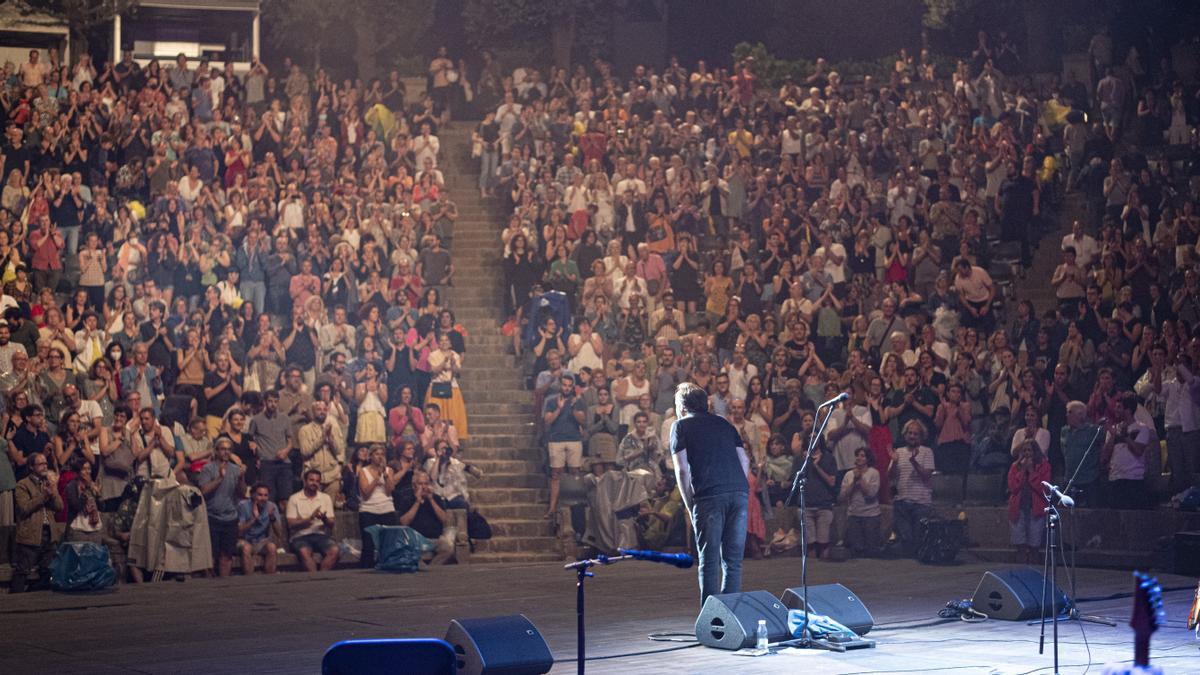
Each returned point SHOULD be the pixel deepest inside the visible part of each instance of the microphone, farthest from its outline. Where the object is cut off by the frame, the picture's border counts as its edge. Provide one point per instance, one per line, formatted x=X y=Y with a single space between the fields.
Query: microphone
x=1057 y=495
x=681 y=560
x=835 y=400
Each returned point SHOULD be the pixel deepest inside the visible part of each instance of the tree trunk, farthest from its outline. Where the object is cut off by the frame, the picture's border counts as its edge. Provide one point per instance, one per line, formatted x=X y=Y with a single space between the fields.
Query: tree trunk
x=562 y=40
x=1039 y=56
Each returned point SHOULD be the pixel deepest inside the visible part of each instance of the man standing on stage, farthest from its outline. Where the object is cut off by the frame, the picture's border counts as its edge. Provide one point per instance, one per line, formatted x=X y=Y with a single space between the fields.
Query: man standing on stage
x=711 y=466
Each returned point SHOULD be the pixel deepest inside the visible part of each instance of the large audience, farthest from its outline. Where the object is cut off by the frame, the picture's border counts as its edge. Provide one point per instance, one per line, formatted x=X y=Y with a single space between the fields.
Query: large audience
x=779 y=246
x=232 y=282
x=238 y=283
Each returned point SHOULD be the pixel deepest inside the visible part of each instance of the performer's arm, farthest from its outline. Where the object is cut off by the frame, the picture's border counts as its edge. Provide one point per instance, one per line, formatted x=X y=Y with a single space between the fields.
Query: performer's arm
x=683 y=478
x=744 y=458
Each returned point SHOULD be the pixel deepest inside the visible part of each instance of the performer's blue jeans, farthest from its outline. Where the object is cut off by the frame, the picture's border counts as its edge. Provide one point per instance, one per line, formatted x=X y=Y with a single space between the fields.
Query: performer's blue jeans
x=720 y=524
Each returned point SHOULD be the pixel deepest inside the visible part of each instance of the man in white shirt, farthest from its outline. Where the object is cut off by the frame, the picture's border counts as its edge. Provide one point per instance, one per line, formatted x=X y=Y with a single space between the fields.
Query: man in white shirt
x=310 y=519
x=835 y=258
x=507 y=115
x=901 y=199
x=425 y=147
x=291 y=209
x=91 y=417
x=667 y=322
x=750 y=432
x=1124 y=453
x=911 y=472
x=630 y=181
x=975 y=289
x=33 y=71
x=740 y=372
x=8 y=348
x=1087 y=251
x=338 y=336
x=1167 y=388
x=848 y=428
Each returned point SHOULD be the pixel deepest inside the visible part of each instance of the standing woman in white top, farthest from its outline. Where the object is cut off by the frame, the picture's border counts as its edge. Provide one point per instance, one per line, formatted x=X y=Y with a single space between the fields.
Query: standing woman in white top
x=600 y=195
x=376 y=480
x=1032 y=431
x=860 y=493
x=586 y=348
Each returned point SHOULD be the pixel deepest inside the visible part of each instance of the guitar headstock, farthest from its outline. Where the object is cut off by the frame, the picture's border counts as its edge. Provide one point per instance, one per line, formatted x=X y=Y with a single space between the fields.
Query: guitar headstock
x=1148 y=612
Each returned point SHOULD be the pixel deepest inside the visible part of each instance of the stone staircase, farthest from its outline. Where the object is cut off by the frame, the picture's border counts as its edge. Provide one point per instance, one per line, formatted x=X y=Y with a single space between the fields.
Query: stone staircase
x=515 y=489
x=1036 y=285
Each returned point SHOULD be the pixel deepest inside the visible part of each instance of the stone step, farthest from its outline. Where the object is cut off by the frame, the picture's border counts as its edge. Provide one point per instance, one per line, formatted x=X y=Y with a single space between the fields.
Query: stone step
x=492 y=353
x=510 y=480
x=513 y=492
x=514 y=436
x=489 y=370
x=488 y=394
x=486 y=495
x=485 y=383
x=505 y=466
x=498 y=413
x=514 y=512
x=489 y=357
x=475 y=313
x=536 y=527
x=487 y=338
x=473 y=452
x=514 y=412
x=465 y=296
x=503 y=439
x=517 y=545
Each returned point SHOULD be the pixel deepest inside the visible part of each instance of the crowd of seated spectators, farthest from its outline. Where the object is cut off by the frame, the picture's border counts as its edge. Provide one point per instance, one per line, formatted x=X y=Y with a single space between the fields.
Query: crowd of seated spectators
x=778 y=246
x=239 y=282
x=235 y=281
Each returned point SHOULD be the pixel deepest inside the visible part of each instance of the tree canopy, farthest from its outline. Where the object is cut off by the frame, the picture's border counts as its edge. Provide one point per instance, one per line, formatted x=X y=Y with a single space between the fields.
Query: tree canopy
x=381 y=29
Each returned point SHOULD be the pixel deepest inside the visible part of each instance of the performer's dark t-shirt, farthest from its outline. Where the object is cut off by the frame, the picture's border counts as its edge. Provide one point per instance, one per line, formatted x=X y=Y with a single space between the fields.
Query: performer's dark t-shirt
x=711 y=444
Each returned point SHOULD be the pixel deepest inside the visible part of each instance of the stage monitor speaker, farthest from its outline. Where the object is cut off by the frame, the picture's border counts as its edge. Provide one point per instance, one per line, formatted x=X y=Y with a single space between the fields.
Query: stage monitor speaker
x=834 y=601
x=502 y=645
x=730 y=621
x=1015 y=595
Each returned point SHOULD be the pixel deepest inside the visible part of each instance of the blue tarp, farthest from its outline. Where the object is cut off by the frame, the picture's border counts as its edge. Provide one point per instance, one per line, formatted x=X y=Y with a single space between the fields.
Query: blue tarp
x=81 y=566
x=398 y=548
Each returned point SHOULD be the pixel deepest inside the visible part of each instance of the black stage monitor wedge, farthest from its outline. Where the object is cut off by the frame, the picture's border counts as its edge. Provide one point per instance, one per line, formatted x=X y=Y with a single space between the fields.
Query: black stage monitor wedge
x=834 y=601
x=1014 y=595
x=730 y=621
x=502 y=645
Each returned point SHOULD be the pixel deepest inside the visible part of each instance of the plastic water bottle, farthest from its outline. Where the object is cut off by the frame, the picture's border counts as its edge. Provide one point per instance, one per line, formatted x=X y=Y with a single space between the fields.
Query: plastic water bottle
x=762 y=635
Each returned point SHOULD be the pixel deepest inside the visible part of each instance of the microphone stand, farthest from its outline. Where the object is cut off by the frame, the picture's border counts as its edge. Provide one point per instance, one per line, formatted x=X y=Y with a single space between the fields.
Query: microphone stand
x=583 y=570
x=1054 y=540
x=799 y=487
x=1049 y=576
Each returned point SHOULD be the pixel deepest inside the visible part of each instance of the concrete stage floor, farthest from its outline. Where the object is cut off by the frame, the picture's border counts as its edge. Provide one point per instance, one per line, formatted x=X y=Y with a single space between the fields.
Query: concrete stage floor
x=282 y=624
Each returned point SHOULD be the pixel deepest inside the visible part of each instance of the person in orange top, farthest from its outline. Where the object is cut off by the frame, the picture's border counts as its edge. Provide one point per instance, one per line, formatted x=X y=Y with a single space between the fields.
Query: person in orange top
x=660 y=236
